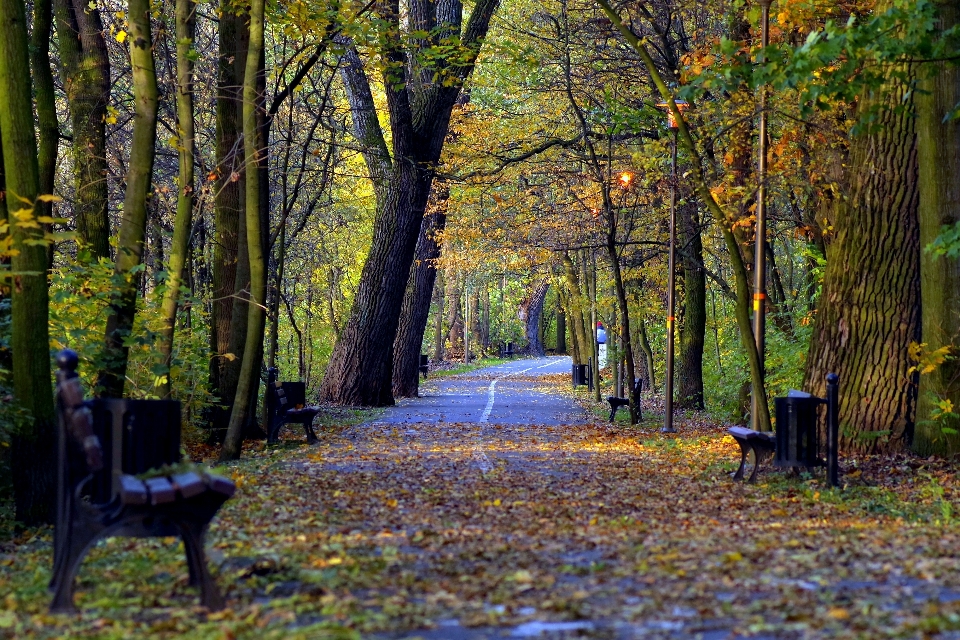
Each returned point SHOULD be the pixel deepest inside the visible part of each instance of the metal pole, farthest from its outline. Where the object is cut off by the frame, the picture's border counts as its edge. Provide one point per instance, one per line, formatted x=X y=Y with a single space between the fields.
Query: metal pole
x=671 y=293
x=833 y=430
x=760 y=248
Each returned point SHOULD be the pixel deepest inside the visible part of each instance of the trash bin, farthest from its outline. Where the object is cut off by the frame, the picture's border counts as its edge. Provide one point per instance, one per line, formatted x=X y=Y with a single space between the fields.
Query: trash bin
x=579 y=375
x=798 y=439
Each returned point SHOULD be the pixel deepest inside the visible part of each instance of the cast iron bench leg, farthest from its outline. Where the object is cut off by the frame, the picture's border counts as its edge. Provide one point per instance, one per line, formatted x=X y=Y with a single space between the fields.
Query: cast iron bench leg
x=192 y=534
x=79 y=541
x=311 y=436
x=756 y=465
x=744 y=452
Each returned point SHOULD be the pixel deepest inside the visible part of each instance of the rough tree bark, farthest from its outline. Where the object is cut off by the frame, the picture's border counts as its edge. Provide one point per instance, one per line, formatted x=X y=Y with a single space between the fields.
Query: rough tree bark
x=228 y=211
x=255 y=317
x=416 y=301
x=185 y=32
x=32 y=447
x=577 y=319
x=694 y=327
x=870 y=308
x=939 y=165
x=123 y=303
x=531 y=310
x=419 y=108
x=48 y=128
x=85 y=69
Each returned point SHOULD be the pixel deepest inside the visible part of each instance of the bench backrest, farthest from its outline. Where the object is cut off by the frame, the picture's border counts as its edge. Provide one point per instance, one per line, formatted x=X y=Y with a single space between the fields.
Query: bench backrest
x=136 y=436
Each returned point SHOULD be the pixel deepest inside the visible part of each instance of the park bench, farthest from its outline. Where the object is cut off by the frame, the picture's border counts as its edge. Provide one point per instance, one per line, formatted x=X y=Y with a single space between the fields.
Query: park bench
x=796 y=441
x=286 y=404
x=616 y=403
x=112 y=455
x=508 y=351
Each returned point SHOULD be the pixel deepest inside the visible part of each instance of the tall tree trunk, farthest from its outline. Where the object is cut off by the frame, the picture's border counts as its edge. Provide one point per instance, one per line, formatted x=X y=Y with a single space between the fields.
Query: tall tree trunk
x=32 y=447
x=939 y=164
x=577 y=319
x=454 y=292
x=228 y=212
x=416 y=302
x=123 y=303
x=360 y=370
x=48 y=127
x=255 y=316
x=85 y=69
x=870 y=309
x=625 y=342
x=694 y=327
x=561 y=346
x=186 y=32
x=438 y=321
x=531 y=312
x=644 y=344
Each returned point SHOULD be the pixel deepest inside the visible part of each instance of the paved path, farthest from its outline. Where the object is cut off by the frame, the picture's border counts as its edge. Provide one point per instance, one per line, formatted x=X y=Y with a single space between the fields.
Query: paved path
x=504 y=394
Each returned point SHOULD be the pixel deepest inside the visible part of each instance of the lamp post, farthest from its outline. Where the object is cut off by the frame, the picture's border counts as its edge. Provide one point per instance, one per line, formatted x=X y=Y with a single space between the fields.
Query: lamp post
x=671 y=270
x=760 y=248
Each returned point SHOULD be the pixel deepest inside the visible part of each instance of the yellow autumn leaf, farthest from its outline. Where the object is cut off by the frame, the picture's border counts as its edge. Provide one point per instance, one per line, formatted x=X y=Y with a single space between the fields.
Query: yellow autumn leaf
x=121 y=36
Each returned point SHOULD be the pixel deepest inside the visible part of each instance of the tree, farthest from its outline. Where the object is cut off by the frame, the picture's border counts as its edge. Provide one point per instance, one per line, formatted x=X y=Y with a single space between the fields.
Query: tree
x=421 y=85
x=48 y=128
x=85 y=69
x=870 y=308
x=255 y=315
x=416 y=301
x=939 y=165
x=186 y=32
x=32 y=455
x=123 y=303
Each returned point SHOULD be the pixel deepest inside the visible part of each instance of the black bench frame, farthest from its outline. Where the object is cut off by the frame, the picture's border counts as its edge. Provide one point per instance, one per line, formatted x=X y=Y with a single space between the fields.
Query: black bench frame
x=616 y=403
x=101 y=445
x=282 y=400
x=795 y=442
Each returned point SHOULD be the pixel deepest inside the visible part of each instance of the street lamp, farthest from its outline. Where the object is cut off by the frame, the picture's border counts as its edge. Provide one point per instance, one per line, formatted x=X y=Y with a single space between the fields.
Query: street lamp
x=760 y=248
x=671 y=268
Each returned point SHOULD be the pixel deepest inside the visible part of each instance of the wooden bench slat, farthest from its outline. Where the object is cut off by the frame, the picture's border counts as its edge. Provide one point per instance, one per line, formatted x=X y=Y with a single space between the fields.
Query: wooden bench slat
x=161 y=491
x=132 y=491
x=219 y=484
x=188 y=484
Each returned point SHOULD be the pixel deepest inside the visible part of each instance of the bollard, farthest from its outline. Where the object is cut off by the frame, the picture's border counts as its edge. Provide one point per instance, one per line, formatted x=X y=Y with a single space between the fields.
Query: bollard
x=833 y=430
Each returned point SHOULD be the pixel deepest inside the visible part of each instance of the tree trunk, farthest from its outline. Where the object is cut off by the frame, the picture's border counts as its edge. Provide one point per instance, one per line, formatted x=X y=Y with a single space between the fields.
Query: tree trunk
x=870 y=309
x=33 y=444
x=531 y=311
x=228 y=213
x=454 y=317
x=255 y=317
x=123 y=302
x=85 y=69
x=48 y=127
x=360 y=370
x=185 y=31
x=939 y=164
x=577 y=323
x=694 y=327
x=626 y=342
x=438 y=321
x=416 y=302
x=561 y=346
x=644 y=344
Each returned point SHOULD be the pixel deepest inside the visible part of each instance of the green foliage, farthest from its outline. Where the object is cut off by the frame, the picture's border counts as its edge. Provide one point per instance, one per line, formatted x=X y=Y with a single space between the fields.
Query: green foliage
x=80 y=292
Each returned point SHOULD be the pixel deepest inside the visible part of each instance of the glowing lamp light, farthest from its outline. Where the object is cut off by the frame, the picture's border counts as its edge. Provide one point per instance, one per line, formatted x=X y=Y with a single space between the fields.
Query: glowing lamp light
x=626 y=179
x=681 y=107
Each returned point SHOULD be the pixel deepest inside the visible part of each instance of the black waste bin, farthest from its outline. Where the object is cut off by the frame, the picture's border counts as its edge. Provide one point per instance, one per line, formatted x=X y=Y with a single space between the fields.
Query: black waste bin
x=579 y=375
x=798 y=439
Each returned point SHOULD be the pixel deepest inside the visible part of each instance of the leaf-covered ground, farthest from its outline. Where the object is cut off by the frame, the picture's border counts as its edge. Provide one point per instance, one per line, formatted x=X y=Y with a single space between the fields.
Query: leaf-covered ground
x=484 y=530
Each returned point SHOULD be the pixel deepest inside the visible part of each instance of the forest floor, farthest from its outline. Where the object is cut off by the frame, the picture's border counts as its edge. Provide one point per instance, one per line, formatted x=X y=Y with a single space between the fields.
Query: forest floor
x=496 y=525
